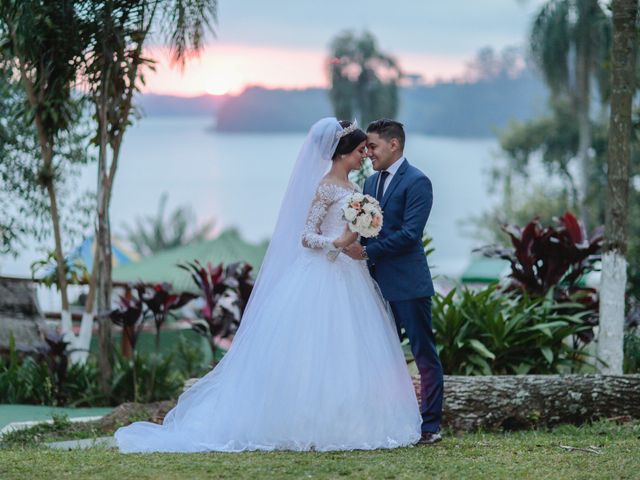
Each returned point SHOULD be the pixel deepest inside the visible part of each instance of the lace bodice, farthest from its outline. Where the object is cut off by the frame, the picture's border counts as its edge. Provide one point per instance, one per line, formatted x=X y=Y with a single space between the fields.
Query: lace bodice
x=324 y=222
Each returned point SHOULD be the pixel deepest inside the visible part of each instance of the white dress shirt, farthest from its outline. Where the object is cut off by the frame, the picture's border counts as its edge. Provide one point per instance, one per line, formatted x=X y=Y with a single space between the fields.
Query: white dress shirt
x=393 y=169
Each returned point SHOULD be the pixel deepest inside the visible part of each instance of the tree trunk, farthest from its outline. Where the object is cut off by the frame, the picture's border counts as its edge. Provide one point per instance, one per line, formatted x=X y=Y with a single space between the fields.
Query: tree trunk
x=82 y=343
x=525 y=401
x=102 y=278
x=105 y=189
x=55 y=221
x=103 y=246
x=614 y=265
x=91 y=295
x=613 y=283
x=584 y=126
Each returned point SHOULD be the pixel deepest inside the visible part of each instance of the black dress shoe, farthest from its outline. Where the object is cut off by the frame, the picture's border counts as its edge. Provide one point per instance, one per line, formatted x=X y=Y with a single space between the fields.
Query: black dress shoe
x=429 y=438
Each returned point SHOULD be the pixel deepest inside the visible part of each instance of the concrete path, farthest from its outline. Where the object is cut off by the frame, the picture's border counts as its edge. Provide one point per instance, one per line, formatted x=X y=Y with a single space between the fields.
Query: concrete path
x=10 y=413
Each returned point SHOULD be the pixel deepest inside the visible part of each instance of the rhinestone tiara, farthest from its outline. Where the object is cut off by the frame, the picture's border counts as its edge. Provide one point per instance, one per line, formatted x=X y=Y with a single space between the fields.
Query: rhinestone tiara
x=346 y=131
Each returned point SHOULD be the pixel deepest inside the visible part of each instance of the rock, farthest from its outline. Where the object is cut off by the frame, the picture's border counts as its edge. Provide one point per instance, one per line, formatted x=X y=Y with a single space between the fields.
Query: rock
x=133 y=412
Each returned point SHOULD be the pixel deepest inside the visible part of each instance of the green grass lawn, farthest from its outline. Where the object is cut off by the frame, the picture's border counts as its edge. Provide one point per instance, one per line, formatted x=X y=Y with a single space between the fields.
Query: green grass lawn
x=533 y=454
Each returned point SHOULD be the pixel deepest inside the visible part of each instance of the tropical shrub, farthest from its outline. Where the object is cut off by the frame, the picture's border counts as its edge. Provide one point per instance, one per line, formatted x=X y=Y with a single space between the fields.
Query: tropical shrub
x=496 y=332
x=43 y=375
x=554 y=259
x=190 y=359
x=631 y=362
x=147 y=377
x=26 y=377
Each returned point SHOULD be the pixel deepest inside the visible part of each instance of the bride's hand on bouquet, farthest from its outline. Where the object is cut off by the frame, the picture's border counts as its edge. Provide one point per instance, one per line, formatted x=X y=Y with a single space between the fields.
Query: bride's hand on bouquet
x=346 y=239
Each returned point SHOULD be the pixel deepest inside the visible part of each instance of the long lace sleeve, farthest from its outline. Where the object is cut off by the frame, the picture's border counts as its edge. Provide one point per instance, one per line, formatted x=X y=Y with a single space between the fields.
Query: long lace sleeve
x=312 y=236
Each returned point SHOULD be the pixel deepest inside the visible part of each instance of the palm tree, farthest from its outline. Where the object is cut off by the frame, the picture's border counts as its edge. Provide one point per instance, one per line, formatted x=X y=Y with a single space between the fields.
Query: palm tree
x=162 y=231
x=614 y=264
x=364 y=81
x=570 y=42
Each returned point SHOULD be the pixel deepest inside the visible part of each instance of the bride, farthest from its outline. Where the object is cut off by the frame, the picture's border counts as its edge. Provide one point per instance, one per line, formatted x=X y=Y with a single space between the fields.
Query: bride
x=316 y=363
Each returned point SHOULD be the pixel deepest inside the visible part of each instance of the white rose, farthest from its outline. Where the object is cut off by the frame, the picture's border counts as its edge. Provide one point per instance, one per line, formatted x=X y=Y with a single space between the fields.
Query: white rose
x=357 y=197
x=369 y=208
x=370 y=199
x=369 y=232
x=350 y=214
x=363 y=221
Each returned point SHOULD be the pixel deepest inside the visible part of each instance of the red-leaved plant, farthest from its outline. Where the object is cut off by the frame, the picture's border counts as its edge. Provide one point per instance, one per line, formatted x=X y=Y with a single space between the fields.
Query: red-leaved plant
x=553 y=258
x=142 y=301
x=225 y=293
x=160 y=302
x=139 y=302
x=128 y=315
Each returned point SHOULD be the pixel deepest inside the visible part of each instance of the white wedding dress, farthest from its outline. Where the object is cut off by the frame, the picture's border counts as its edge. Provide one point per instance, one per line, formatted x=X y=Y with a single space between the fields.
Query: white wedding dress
x=319 y=367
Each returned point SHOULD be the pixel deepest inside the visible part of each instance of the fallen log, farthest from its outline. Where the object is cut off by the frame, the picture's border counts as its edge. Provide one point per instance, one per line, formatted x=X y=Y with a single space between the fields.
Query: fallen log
x=513 y=402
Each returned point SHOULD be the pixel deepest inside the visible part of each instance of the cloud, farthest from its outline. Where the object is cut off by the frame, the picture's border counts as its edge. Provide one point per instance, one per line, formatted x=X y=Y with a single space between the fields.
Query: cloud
x=452 y=27
x=284 y=43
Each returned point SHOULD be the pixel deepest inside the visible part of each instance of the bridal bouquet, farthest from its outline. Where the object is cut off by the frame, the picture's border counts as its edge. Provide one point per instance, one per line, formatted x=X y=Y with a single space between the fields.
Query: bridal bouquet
x=363 y=216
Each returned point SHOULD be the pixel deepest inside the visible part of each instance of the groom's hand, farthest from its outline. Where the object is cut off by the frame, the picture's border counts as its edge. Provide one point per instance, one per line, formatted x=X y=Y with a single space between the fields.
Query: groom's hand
x=354 y=251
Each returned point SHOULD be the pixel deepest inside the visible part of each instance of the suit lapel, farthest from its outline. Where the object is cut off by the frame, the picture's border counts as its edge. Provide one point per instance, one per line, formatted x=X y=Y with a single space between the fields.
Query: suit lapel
x=397 y=178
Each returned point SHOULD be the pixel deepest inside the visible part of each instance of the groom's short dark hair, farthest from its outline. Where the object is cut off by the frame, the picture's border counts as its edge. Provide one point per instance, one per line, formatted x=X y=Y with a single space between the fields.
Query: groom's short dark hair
x=388 y=129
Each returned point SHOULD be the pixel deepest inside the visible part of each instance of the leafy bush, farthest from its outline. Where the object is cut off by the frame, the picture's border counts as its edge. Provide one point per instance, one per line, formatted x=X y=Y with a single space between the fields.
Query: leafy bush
x=25 y=381
x=156 y=378
x=27 y=378
x=41 y=374
x=632 y=352
x=190 y=359
x=493 y=332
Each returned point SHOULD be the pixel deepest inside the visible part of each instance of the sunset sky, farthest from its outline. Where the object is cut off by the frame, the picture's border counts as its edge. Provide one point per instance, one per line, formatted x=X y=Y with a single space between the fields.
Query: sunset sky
x=282 y=43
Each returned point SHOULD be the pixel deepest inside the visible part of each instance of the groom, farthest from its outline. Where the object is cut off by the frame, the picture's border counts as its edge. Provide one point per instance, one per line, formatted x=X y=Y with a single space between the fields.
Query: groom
x=397 y=261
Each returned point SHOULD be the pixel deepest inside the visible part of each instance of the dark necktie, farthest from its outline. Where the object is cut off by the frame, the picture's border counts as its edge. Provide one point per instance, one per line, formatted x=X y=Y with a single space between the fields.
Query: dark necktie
x=383 y=178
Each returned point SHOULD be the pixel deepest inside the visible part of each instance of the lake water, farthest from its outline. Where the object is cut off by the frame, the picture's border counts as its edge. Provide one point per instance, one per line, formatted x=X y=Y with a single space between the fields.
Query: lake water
x=238 y=180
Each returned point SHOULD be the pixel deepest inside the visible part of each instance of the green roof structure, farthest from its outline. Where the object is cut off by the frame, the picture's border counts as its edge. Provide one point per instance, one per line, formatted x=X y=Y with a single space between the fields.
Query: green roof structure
x=484 y=270
x=227 y=248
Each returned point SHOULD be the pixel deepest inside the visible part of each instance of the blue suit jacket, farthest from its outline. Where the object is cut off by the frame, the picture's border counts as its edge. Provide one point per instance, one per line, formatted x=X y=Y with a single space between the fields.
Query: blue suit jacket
x=396 y=257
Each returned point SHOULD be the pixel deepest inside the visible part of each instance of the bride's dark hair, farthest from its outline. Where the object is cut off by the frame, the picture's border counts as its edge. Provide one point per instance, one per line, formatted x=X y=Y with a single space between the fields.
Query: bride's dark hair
x=349 y=142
